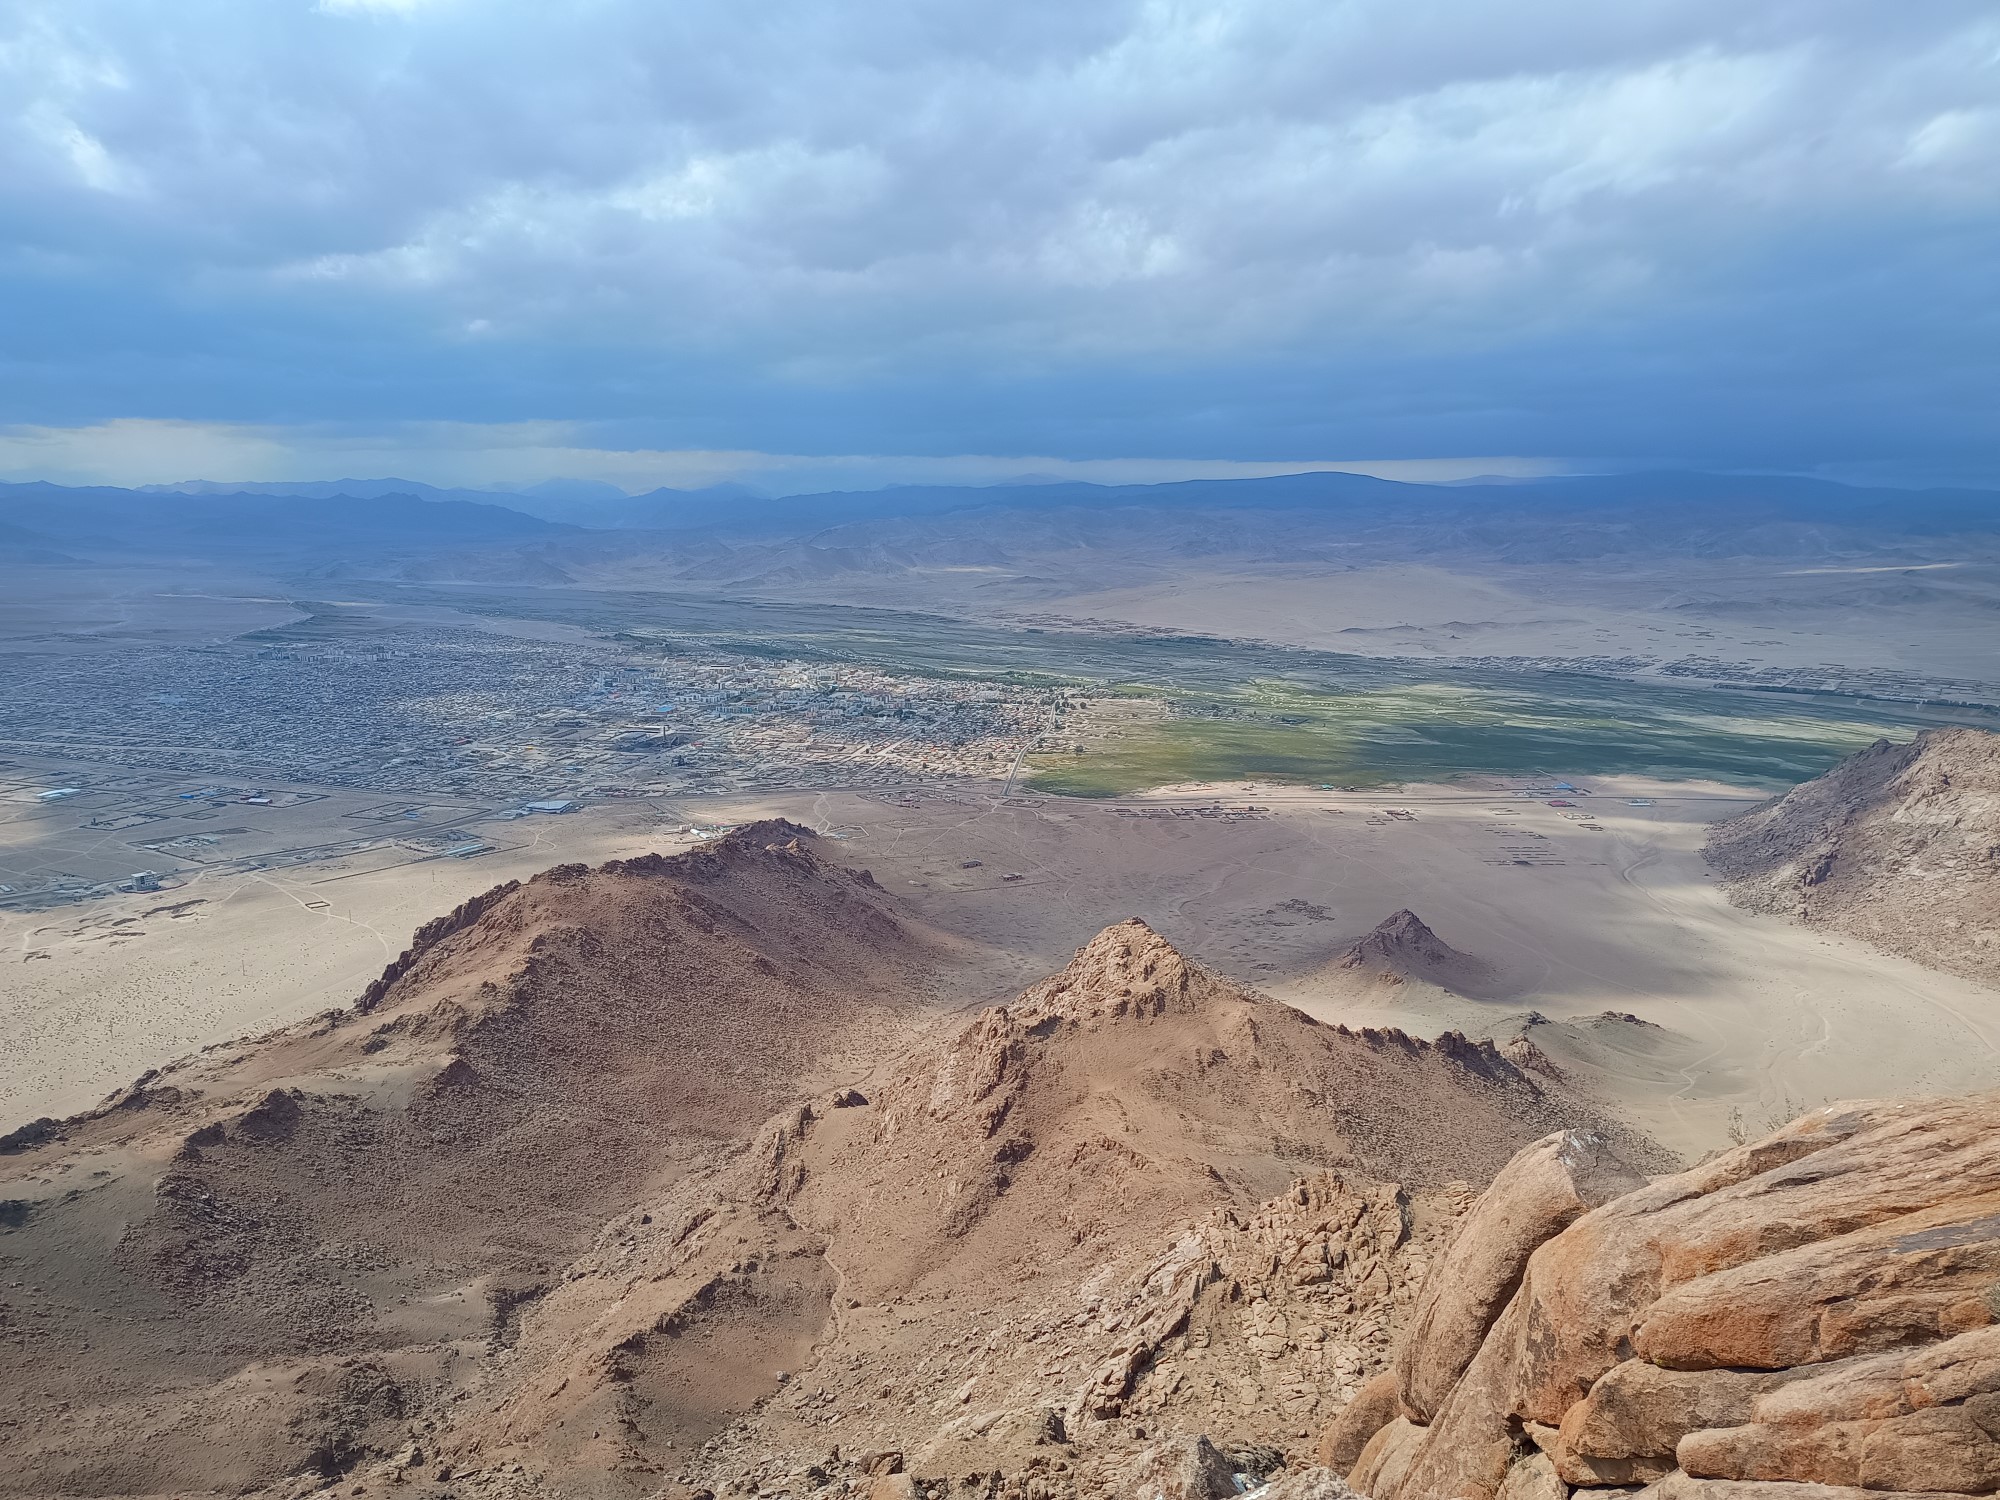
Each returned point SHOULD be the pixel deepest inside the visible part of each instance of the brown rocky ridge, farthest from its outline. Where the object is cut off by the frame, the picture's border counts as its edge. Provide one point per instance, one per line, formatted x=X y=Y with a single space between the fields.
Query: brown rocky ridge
x=1899 y=845
x=680 y=1176
x=1815 y=1316
x=255 y=1262
x=1596 y=1056
x=674 y=1175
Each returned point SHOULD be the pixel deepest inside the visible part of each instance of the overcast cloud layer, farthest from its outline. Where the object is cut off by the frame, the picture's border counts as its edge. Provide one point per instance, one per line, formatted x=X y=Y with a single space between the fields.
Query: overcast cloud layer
x=1721 y=232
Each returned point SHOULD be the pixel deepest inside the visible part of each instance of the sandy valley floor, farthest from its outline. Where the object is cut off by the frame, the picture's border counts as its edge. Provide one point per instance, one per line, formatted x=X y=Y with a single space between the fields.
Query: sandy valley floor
x=1932 y=620
x=1757 y=1018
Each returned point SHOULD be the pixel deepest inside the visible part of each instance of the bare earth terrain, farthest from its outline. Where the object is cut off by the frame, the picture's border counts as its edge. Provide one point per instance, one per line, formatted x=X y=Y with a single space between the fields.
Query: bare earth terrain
x=1898 y=845
x=678 y=1176
x=513 y=1176
x=1757 y=1015
x=1929 y=619
x=559 y=1015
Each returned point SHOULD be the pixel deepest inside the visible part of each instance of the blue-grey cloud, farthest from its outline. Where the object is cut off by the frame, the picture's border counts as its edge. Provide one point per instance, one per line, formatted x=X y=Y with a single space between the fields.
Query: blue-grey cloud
x=1730 y=231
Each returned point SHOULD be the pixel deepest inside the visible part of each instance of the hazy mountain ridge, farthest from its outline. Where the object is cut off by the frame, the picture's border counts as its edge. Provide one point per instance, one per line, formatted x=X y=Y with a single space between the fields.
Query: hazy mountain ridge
x=1699 y=502
x=1757 y=581
x=120 y=522
x=1007 y=559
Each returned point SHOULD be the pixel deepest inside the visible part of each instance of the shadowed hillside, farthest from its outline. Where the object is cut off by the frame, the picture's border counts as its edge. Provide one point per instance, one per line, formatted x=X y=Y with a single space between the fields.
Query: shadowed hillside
x=1899 y=845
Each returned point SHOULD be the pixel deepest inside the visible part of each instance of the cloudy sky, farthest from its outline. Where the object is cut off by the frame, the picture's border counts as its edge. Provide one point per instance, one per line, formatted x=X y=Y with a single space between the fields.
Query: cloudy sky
x=491 y=241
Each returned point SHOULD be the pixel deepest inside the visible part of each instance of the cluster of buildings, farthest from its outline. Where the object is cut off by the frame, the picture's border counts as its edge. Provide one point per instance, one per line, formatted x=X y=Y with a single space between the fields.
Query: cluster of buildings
x=533 y=722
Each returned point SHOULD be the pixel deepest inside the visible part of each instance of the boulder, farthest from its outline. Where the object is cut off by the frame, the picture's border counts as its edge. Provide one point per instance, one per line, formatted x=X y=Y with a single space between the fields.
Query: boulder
x=1943 y=1448
x=1678 y=1486
x=1467 y=1451
x=1955 y=1370
x=1319 y=1483
x=1899 y=1421
x=1533 y=1478
x=1886 y=1385
x=1588 y=1472
x=1385 y=1460
x=1834 y=1172
x=880 y=1461
x=1638 y=1410
x=1374 y=1406
x=1180 y=1468
x=1828 y=1453
x=1918 y=1277
x=1818 y=1309
x=1541 y=1192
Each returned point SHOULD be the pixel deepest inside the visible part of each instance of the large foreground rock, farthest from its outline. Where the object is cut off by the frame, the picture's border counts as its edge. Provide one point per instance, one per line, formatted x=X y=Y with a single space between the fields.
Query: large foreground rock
x=1682 y=1487
x=1804 y=1318
x=1386 y=1459
x=1541 y=1192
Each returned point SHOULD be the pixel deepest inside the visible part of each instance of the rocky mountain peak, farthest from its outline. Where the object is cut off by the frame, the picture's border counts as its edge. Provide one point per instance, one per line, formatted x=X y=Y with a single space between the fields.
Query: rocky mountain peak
x=760 y=1196
x=1127 y=970
x=1403 y=947
x=1399 y=939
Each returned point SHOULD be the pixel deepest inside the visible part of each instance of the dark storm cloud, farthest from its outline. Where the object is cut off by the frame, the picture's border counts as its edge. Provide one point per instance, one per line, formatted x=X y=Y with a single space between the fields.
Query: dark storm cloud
x=1744 y=232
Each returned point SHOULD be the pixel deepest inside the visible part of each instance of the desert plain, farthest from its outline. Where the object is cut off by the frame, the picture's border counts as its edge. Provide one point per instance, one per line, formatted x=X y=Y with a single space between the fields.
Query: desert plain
x=640 y=1008
x=1748 y=1018
x=1683 y=692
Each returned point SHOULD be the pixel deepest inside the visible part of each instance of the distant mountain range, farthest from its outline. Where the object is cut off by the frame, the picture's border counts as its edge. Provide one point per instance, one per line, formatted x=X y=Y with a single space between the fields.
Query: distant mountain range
x=1583 y=516
x=50 y=523
x=1730 y=499
x=576 y=502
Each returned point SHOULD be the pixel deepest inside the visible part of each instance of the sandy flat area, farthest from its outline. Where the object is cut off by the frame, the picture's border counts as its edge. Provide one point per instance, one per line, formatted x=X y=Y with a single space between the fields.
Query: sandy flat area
x=1415 y=609
x=1768 y=615
x=1759 y=1018
x=98 y=991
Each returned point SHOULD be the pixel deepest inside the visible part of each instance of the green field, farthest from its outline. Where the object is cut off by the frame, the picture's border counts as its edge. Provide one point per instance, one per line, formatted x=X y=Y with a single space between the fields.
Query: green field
x=1247 y=710
x=1276 y=731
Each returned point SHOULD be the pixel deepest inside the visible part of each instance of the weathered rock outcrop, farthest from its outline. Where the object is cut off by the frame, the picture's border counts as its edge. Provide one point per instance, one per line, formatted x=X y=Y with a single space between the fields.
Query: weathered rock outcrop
x=1541 y=1192
x=1307 y=1484
x=1182 y=1469
x=1818 y=1309
x=1899 y=844
x=1292 y=1302
x=1385 y=1461
x=1374 y=1406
